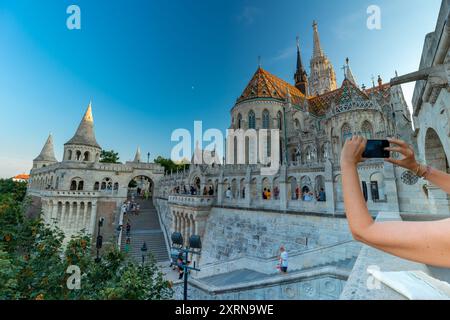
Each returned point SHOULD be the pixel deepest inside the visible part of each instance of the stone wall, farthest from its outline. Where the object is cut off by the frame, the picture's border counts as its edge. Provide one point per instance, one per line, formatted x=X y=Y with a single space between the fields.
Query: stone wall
x=34 y=208
x=232 y=233
x=107 y=210
x=321 y=284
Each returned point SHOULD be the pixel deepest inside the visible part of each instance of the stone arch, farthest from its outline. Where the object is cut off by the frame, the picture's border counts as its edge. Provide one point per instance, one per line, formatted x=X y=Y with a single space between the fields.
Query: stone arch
x=86 y=156
x=97 y=186
x=434 y=151
x=234 y=188
x=319 y=185
x=242 y=190
x=306 y=184
x=78 y=155
x=276 y=188
x=141 y=185
x=253 y=188
x=265 y=186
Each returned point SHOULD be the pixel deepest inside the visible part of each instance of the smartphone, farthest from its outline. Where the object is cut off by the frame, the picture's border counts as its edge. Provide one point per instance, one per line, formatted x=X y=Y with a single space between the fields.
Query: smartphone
x=375 y=149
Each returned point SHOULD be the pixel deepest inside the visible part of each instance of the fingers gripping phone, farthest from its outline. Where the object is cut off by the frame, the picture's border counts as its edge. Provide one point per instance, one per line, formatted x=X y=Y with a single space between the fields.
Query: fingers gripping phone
x=376 y=149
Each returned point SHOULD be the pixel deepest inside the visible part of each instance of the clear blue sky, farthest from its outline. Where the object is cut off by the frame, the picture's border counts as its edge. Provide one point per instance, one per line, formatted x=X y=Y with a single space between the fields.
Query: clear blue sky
x=153 y=66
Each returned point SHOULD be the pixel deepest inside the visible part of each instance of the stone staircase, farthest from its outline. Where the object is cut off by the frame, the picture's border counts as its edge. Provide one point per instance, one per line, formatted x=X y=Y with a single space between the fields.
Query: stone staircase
x=145 y=227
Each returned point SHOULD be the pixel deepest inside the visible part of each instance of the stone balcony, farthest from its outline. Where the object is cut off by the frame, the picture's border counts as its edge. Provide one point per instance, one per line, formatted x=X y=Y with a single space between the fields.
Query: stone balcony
x=192 y=200
x=70 y=193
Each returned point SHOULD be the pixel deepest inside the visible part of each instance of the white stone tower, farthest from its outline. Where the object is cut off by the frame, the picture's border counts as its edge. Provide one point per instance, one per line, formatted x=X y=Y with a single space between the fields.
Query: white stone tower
x=83 y=146
x=47 y=155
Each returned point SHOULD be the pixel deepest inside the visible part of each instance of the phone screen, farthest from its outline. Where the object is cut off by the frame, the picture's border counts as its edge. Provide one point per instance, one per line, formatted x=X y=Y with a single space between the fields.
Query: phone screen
x=375 y=149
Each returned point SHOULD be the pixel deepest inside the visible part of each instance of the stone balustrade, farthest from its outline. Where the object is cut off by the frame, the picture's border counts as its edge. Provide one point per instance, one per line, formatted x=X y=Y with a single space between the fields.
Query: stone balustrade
x=192 y=200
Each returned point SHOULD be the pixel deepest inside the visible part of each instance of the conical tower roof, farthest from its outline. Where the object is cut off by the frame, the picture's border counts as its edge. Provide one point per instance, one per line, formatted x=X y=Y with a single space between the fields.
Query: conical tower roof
x=85 y=133
x=137 y=157
x=47 y=153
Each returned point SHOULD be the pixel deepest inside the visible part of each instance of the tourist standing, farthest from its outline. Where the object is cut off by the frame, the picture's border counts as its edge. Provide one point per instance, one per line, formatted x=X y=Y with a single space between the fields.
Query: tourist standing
x=127 y=245
x=283 y=260
x=228 y=193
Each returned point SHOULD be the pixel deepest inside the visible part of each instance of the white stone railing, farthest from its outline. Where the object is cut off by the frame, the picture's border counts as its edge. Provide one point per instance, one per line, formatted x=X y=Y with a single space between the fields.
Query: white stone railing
x=192 y=201
x=297 y=261
x=68 y=193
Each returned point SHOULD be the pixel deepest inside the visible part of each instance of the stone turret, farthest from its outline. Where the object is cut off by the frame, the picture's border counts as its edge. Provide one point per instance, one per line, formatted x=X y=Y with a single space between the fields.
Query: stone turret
x=83 y=146
x=137 y=157
x=47 y=155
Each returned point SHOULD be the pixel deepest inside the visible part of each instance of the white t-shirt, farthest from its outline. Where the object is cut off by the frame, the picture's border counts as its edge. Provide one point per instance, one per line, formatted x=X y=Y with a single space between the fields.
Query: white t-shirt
x=284 y=259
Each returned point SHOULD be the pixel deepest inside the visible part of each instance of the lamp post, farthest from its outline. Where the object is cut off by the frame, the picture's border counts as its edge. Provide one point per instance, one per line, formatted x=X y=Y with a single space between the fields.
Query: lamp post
x=148 y=157
x=194 y=243
x=144 y=251
x=99 y=242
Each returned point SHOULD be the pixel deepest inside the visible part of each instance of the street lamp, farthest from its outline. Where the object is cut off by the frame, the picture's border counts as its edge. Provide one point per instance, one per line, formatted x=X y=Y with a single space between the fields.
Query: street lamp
x=148 y=157
x=194 y=243
x=99 y=242
x=144 y=251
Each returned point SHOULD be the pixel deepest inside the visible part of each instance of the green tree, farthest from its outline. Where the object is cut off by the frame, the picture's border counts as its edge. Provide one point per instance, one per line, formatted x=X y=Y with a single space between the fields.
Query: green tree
x=169 y=165
x=34 y=263
x=109 y=156
x=14 y=188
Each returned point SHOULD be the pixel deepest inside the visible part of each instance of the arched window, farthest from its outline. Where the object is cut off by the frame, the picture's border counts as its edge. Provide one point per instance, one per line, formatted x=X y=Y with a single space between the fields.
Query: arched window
x=366 y=130
x=346 y=132
x=69 y=155
x=279 y=120
x=97 y=186
x=73 y=185
x=239 y=121
x=251 y=120
x=297 y=124
x=116 y=186
x=265 y=119
x=80 y=185
x=78 y=155
x=86 y=156
x=103 y=185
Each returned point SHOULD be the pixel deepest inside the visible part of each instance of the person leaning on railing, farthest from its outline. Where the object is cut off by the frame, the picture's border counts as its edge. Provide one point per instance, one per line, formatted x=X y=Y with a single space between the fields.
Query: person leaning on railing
x=424 y=242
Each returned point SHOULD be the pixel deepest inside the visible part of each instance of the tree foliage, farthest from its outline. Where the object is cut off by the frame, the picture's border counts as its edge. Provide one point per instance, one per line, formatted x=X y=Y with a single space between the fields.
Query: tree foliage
x=169 y=165
x=109 y=156
x=34 y=261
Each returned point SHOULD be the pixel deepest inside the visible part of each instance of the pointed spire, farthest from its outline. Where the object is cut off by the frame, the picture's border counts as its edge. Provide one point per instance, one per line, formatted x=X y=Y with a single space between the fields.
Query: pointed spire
x=348 y=72
x=137 y=157
x=317 y=52
x=300 y=76
x=85 y=133
x=47 y=152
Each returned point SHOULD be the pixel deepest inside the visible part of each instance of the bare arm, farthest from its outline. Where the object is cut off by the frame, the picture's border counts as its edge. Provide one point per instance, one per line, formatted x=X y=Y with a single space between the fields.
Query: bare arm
x=425 y=242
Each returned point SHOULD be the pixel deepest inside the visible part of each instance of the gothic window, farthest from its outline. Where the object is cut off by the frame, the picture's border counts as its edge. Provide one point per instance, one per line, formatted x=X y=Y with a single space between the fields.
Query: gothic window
x=239 y=121
x=251 y=120
x=346 y=132
x=266 y=119
x=279 y=121
x=366 y=130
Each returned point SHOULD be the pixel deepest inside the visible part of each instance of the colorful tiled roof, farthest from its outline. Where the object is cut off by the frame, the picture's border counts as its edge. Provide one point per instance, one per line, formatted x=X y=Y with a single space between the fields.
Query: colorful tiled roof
x=346 y=93
x=22 y=177
x=265 y=85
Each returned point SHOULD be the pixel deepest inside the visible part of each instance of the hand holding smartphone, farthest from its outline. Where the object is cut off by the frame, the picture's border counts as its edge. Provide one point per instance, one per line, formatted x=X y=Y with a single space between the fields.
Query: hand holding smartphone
x=376 y=149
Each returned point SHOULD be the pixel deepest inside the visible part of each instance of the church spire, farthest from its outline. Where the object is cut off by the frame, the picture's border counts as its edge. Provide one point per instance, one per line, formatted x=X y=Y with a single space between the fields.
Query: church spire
x=85 y=133
x=300 y=77
x=47 y=153
x=348 y=72
x=322 y=76
x=317 y=52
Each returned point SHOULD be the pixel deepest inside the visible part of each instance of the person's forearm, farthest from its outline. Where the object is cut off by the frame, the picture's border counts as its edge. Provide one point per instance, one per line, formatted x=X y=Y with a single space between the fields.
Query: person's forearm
x=439 y=179
x=356 y=210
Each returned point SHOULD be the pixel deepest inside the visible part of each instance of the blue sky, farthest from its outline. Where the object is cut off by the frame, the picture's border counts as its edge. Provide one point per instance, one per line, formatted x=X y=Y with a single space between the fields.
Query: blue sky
x=153 y=66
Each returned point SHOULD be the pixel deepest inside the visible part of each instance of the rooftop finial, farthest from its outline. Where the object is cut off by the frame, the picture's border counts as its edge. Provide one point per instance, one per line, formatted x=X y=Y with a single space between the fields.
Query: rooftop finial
x=317 y=48
x=259 y=61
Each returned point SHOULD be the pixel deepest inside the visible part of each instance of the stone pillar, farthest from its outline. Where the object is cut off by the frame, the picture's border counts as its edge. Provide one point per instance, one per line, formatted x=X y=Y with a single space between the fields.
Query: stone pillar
x=220 y=193
x=80 y=216
x=54 y=212
x=93 y=219
x=248 y=193
x=283 y=186
x=329 y=188
x=390 y=189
